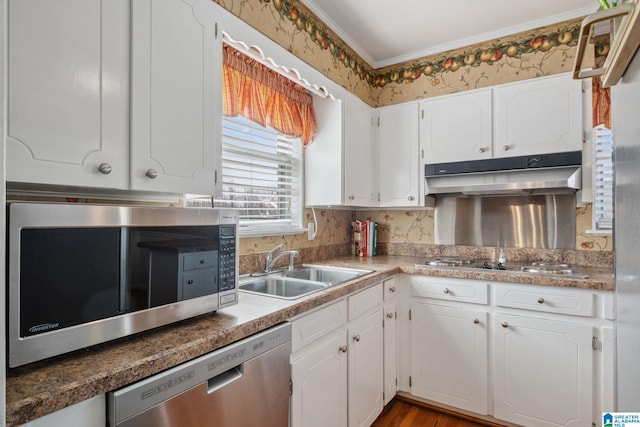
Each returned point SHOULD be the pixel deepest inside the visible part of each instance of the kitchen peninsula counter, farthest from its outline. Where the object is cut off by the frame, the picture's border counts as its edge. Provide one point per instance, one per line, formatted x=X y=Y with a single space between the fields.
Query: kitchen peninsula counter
x=44 y=387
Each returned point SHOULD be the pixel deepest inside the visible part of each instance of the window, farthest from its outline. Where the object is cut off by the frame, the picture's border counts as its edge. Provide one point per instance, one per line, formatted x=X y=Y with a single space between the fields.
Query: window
x=267 y=118
x=261 y=177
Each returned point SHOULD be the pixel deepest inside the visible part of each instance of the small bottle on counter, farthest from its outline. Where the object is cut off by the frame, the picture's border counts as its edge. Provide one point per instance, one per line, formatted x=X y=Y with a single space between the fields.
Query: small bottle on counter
x=502 y=258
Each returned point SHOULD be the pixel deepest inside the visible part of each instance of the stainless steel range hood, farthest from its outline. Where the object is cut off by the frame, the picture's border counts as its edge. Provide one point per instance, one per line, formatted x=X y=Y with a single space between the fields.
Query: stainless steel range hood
x=540 y=174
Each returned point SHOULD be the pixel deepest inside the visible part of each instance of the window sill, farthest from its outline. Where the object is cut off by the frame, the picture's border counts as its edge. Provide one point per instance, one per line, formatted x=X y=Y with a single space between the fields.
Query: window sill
x=265 y=233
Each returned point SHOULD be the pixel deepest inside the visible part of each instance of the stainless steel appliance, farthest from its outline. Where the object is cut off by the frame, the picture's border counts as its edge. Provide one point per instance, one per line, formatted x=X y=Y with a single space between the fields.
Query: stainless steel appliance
x=625 y=104
x=547 y=268
x=535 y=174
x=243 y=384
x=80 y=274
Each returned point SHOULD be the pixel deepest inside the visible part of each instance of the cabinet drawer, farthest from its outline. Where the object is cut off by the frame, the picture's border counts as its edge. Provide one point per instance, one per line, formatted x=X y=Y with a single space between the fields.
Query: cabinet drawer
x=198 y=283
x=576 y=302
x=390 y=289
x=449 y=289
x=364 y=301
x=310 y=327
x=195 y=260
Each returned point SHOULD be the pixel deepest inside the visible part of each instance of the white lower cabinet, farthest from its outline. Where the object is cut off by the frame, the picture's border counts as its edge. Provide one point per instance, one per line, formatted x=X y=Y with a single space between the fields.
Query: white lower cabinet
x=337 y=363
x=543 y=371
x=88 y=413
x=366 y=369
x=390 y=339
x=319 y=376
x=545 y=349
x=449 y=355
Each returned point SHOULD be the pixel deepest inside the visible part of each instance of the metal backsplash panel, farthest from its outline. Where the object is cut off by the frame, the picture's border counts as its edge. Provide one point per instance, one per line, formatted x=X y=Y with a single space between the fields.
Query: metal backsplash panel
x=539 y=221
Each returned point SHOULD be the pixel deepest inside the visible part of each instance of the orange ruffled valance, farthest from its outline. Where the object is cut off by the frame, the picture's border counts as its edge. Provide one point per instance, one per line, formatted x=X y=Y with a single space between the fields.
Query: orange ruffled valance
x=253 y=90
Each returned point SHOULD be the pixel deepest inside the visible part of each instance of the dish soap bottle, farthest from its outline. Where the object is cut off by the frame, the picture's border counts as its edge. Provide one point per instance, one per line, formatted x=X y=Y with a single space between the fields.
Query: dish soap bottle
x=502 y=258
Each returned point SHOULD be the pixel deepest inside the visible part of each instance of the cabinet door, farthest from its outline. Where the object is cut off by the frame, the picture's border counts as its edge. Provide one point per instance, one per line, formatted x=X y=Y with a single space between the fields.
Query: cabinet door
x=68 y=92
x=456 y=128
x=324 y=157
x=359 y=165
x=175 y=104
x=390 y=351
x=538 y=116
x=366 y=381
x=398 y=161
x=543 y=372
x=449 y=355
x=319 y=377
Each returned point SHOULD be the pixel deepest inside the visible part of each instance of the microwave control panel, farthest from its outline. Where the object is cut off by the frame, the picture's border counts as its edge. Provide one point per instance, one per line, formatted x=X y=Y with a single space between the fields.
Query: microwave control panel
x=227 y=256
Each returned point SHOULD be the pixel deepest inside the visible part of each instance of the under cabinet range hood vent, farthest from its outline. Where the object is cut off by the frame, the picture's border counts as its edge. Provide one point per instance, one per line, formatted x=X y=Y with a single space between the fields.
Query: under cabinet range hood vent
x=539 y=174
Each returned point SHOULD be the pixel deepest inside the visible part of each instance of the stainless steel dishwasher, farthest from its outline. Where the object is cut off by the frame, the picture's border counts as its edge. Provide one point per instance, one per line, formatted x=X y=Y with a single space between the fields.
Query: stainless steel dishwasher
x=243 y=384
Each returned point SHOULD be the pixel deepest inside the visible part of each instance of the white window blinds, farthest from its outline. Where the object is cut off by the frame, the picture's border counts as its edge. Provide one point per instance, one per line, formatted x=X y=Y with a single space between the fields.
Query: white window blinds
x=261 y=176
x=602 y=179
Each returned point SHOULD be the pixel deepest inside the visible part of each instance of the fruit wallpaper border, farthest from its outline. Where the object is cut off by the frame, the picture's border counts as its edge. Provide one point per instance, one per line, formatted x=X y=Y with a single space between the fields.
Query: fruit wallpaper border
x=543 y=51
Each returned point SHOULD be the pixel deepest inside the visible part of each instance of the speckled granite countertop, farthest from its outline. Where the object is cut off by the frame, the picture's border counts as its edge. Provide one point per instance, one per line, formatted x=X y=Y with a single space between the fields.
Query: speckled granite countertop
x=44 y=387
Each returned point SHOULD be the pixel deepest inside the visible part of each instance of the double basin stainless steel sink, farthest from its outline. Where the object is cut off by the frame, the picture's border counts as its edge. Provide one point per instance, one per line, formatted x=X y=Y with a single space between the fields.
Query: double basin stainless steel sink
x=300 y=281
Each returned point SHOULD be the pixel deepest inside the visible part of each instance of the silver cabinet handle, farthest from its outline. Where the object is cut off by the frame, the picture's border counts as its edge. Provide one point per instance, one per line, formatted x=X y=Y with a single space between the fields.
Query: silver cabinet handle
x=540 y=300
x=351 y=197
x=476 y=321
x=152 y=173
x=483 y=149
x=343 y=348
x=389 y=315
x=445 y=290
x=392 y=289
x=504 y=324
x=506 y=147
x=105 y=168
x=411 y=198
x=356 y=338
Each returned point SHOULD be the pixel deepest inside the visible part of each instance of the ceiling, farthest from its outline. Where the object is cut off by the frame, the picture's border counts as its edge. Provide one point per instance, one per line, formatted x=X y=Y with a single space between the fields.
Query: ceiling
x=385 y=33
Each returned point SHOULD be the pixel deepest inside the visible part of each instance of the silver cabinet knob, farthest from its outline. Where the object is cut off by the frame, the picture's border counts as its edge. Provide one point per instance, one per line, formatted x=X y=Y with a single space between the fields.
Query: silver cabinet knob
x=105 y=168
x=506 y=147
x=389 y=315
x=483 y=149
x=151 y=173
x=343 y=348
x=445 y=290
x=411 y=198
x=356 y=338
x=540 y=300
x=392 y=289
x=476 y=321
x=351 y=197
x=504 y=324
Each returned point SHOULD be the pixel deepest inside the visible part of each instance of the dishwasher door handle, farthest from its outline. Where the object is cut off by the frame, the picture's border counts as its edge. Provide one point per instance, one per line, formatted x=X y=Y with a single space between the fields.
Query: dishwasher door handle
x=227 y=377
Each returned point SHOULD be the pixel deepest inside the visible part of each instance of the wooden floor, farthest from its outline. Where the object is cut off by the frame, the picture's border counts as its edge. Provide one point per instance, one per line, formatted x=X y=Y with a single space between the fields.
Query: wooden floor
x=404 y=413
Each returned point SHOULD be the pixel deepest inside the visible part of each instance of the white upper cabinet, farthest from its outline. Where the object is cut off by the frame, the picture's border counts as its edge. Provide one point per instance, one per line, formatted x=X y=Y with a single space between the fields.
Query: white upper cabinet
x=324 y=157
x=456 y=128
x=114 y=94
x=339 y=163
x=538 y=116
x=359 y=155
x=68 y=92
x=398 y=161
x=175 y=113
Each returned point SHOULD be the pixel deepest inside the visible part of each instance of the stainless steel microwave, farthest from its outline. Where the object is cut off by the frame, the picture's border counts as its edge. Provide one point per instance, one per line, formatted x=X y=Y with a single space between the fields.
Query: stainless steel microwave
x=80 y=274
